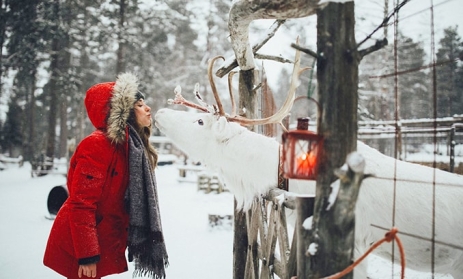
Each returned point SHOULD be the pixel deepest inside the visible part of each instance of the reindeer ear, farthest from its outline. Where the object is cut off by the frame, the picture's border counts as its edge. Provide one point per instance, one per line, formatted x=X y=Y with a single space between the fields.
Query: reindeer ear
x=222 y=128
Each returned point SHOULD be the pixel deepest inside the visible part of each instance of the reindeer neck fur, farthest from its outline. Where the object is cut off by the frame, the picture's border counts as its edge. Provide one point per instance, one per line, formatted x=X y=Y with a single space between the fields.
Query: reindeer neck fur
x=247 y=161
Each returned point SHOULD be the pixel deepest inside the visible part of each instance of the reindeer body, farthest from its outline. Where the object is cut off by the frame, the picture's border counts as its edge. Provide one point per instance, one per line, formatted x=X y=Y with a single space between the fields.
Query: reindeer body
x=413 y=211
x=249 y=162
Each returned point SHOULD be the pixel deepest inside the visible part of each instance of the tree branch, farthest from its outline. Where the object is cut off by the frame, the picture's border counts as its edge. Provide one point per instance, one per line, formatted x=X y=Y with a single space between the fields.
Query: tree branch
x=276 y=25
x=222 y=71
x=385 y=21
x=377 y=46
x=305 y=50
x=272 y=57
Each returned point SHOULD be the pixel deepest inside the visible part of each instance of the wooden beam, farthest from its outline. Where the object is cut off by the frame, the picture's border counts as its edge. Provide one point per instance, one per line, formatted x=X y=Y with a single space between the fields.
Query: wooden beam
x=247 y=99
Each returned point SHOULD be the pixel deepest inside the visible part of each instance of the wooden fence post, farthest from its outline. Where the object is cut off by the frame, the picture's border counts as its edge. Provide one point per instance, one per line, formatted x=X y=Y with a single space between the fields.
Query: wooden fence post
x=247 y=99
x=304 y=208
x=337 y=76
x=329 y=248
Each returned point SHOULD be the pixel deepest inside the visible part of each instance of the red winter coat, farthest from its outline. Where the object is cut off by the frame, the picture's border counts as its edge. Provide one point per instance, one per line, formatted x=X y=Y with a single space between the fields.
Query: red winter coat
x=92 y=224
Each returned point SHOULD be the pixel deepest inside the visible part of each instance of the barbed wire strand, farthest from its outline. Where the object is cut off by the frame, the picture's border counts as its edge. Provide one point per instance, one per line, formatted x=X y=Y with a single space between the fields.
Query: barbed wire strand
x=397 y=128
x=421 y=11
x=386 y=19
x=454 y=246
x=434 y=93
x=384 y=22
x=431 y=65
x=414 y=180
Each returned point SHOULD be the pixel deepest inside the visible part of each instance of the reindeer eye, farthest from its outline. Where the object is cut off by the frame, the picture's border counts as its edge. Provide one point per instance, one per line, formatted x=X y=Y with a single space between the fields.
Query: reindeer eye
x=200 y=122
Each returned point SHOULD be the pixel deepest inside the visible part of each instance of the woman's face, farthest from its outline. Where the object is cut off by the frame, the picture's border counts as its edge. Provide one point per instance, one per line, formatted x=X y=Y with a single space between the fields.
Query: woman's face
x=142 y=113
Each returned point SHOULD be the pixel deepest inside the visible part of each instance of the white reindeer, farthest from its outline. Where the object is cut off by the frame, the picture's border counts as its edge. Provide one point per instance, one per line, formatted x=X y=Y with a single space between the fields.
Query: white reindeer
x=249 y=163
x=216 y=134
x=411 y=201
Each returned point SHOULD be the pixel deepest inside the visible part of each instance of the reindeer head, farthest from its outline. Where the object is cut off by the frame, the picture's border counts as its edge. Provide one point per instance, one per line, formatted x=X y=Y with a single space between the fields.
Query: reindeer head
x=233 y=117
x=196 y=134
x=222 y=143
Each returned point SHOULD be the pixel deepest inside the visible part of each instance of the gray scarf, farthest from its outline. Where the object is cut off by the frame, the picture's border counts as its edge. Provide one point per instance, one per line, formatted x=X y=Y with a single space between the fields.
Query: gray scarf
x=145 y=241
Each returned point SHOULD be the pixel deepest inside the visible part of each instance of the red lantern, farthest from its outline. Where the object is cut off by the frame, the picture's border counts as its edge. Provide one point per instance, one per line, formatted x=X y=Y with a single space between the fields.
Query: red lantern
x=301 y=152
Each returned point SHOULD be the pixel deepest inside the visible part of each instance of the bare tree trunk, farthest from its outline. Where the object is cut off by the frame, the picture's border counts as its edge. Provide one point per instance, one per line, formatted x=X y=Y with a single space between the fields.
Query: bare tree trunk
x=31 y=115
x=53 y=93
x=304 y=206
x=82 y=87
x=63 y=134
x=3 y=19
x=121 y=51
x=337 y=75
x=59 y=64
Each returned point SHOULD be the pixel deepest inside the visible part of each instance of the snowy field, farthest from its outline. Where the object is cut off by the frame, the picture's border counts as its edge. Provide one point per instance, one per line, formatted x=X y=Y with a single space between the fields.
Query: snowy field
x=196 y=251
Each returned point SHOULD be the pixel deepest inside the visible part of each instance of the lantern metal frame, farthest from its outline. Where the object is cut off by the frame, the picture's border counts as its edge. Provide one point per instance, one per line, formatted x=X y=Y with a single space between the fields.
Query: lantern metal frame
x=301 y=152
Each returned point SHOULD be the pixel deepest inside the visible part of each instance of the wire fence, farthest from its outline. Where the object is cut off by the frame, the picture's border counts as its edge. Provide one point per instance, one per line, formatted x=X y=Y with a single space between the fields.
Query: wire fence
x=401 y=136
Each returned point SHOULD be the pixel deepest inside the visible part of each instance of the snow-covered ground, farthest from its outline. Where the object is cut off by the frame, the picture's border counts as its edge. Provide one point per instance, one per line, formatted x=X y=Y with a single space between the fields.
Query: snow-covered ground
x=196 y=251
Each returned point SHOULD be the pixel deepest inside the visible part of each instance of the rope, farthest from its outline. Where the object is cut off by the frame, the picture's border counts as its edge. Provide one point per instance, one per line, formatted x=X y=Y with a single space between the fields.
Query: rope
x=390 y=236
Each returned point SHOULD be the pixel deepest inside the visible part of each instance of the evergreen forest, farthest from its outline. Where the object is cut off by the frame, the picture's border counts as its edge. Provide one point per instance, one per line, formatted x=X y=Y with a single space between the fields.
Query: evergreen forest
x=52 y=51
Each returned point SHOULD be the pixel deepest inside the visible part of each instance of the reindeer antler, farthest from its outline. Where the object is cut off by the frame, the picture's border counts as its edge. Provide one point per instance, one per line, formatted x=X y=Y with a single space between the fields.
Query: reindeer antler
x=287 y=105
x=179 y=100
x=275 y=118
x=214 y=89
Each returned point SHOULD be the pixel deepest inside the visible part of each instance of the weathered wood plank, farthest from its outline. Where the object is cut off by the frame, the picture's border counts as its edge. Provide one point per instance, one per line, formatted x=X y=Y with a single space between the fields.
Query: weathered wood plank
x=252 y=264
x=283 y=239
x=304 y=207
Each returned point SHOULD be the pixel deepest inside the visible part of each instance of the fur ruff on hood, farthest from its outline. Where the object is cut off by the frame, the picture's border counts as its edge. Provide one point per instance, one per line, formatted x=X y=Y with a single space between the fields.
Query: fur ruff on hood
x=109 y=103
x=125 y=89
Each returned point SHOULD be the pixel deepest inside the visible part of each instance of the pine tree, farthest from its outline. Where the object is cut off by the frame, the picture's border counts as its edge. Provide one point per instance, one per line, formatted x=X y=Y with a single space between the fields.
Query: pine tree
x=23 y=48
x=377 y=94
x=413 y=89
x=376 y=101
x=3 y=26
x=449 y=89
x=12 y=134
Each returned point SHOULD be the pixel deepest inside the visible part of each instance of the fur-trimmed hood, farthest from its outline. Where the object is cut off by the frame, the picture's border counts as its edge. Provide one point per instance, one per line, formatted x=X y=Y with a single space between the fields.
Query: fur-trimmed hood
x=108 y=105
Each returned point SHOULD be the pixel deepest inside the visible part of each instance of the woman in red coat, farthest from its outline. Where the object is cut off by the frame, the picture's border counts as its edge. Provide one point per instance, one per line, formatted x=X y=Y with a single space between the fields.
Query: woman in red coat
x=112 y=201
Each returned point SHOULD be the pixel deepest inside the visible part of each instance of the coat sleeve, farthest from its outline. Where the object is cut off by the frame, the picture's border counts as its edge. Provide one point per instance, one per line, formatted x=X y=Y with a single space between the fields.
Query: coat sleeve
x=91 y=164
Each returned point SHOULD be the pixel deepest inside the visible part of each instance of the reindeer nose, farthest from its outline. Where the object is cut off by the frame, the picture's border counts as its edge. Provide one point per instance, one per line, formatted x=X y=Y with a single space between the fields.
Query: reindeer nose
x=158 y=113
x=157 y=116
x=161 y=111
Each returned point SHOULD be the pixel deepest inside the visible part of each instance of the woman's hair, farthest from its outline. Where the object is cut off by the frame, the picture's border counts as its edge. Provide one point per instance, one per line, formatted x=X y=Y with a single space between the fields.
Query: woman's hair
x=144 y=133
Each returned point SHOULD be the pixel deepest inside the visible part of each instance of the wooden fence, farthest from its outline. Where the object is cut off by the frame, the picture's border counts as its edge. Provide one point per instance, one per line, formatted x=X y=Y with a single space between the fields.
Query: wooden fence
x=270 y=252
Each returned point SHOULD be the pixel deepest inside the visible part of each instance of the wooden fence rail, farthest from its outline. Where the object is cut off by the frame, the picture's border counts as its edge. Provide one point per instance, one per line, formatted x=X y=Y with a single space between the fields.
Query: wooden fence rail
x=269 y=251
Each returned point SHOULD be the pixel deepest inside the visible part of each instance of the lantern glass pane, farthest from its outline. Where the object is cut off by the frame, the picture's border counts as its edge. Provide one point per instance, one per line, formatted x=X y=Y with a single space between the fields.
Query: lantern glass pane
x=306 y=159
x=288 y=160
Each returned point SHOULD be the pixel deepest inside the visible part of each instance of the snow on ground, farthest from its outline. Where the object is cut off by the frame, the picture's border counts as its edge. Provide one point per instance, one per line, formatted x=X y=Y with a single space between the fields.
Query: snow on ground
x=196 y=251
